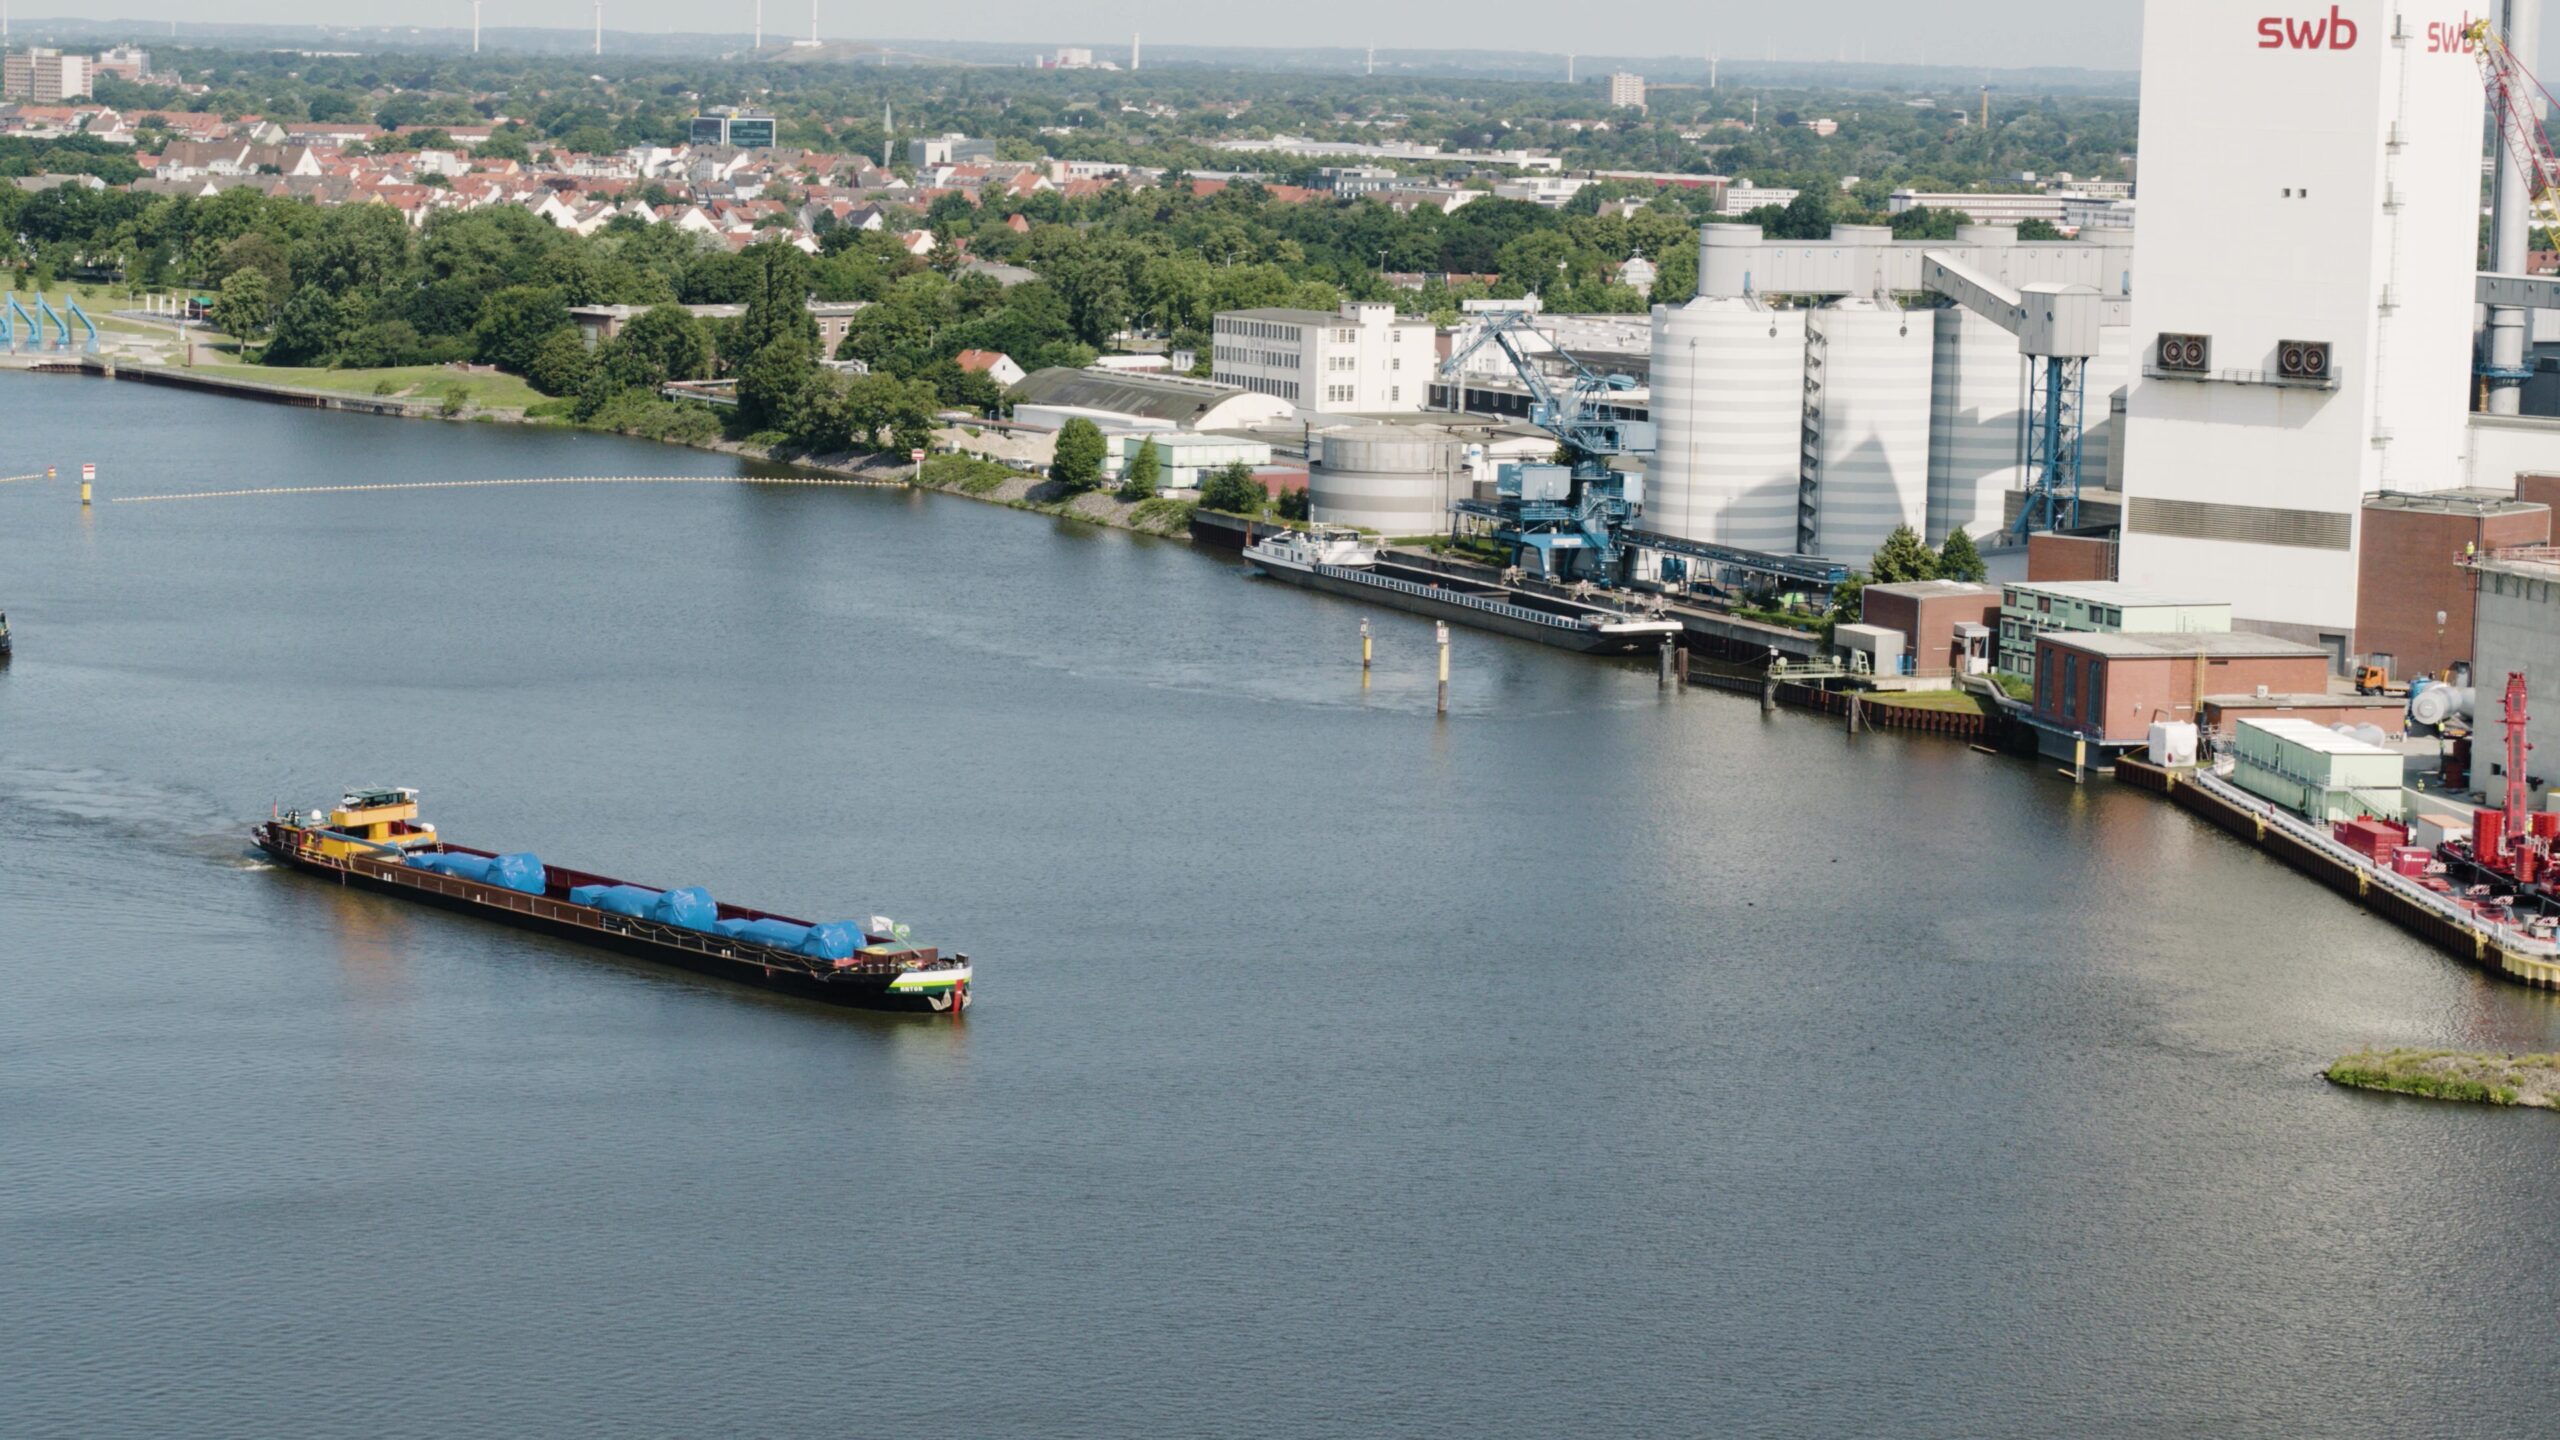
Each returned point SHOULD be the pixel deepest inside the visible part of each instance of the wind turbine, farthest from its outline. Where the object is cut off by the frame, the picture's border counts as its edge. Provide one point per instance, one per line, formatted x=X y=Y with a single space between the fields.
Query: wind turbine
x=599 y=27
x=759 y=26
x=475 y=27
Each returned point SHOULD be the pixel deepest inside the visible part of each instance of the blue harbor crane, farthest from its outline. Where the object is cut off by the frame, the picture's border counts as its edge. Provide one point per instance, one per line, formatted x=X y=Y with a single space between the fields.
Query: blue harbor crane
x=71 y=307
x=14 y=315
x=62 y=340
x=1567 y=515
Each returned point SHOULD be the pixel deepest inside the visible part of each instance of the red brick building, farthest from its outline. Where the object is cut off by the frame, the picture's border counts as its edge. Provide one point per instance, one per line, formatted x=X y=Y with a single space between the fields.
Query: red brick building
x=1927 y=613
x=2413 y=598
x=2070 y=557
x=2109 y=688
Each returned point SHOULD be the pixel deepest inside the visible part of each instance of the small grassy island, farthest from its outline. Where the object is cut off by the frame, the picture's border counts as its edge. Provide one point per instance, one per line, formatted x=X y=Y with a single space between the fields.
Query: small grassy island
x=2454 y=1075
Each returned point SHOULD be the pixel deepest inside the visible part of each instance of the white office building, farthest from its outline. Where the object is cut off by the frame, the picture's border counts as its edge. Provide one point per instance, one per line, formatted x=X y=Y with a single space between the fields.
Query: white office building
x=1626 y=92
x=1363 y=360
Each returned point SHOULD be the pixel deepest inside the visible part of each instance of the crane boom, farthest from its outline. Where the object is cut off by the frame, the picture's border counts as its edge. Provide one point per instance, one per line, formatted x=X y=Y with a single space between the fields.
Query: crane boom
x=2516 y=101
x=1564 y=517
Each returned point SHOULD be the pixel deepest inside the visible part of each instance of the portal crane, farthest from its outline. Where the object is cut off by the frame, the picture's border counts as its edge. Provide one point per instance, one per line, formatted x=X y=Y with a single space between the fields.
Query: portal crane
x=1568 y=513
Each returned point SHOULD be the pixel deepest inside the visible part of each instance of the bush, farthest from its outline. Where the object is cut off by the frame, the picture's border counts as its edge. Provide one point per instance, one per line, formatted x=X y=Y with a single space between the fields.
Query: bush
x=1293 y=505
x=454 y=401
x=1233 y=489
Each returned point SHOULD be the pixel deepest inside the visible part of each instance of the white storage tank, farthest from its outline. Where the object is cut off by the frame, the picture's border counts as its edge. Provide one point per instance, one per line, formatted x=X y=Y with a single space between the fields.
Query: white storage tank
x=1727 y=393
x=1867 y=417
x=1394 y=479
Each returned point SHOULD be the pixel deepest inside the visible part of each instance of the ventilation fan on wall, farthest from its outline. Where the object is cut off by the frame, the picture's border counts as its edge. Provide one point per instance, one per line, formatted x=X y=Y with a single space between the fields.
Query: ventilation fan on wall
x=2302 y=359
x=2184 y=354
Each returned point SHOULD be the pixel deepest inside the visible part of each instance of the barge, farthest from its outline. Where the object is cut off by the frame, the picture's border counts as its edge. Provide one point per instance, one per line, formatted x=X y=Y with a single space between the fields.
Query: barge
x=1338 y=561
x=374 y=840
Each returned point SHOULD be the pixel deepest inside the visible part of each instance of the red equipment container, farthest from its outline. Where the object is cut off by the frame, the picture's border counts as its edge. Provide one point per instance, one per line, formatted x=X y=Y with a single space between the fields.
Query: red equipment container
x=2546 y=824
x=2489 y=837
x=2410 y=860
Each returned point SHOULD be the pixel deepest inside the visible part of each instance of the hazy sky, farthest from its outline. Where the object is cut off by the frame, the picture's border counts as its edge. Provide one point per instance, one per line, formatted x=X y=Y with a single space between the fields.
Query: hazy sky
x=2104 y=35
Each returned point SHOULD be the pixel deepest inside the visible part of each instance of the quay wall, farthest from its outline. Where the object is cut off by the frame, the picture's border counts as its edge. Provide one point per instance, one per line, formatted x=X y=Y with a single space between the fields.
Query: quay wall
x=2472 y=944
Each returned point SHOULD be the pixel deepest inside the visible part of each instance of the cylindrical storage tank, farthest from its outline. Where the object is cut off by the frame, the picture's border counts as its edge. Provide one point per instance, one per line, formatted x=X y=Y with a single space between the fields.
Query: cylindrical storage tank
x=1727 y=393
x=1976 y=400
x=1867 y=418
x=1394 y=479
x=2489 y=834
x=1725 y=254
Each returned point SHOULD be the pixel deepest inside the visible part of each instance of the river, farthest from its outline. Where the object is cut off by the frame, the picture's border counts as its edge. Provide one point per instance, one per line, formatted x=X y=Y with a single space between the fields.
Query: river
x=1593 y=1062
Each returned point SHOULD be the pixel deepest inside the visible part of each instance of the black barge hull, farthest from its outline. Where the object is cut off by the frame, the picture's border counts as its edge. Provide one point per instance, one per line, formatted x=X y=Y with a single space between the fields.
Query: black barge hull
x=1447 y=603
x=888 y=986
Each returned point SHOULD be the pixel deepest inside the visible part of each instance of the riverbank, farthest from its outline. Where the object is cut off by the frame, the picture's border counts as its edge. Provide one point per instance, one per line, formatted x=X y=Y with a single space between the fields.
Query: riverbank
x=2532 y=1081
x=484 y=403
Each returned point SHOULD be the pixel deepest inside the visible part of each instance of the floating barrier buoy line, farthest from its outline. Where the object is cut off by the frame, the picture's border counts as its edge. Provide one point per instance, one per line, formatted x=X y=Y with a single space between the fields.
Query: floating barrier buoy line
x=529 y=480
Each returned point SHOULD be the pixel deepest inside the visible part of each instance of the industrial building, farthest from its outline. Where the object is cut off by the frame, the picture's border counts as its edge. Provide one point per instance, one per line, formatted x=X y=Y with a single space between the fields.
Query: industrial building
x=2108 y=689
x=2307 y=254
x=1119 y=401
x=1183 y=459
x=2102 y=607
x=1796 y=427
x=2518 y=630
x=1946 y=625
x=2414 y=599
x=2316 y=772
x=1365 y=359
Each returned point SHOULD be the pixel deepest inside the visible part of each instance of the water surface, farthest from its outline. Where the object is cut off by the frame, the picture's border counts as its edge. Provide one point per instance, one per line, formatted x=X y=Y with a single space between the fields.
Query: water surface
x=1595 y=1062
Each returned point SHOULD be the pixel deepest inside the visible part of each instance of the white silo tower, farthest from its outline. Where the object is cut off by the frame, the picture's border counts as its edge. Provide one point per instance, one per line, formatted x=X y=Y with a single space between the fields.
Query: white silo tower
x=1866 y=426
x=1727 y=395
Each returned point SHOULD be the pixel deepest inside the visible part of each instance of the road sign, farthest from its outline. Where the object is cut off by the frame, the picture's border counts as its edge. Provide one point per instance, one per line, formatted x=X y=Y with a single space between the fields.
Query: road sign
x=88 y=471
x=916 y=455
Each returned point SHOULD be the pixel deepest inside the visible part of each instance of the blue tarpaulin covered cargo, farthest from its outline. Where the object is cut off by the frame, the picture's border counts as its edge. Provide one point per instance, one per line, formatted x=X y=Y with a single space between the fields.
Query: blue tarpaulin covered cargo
x=633 y=900
x=692 y=907
x=519 y=871
x=467 y=867
x=781 y=934
x=832 y=940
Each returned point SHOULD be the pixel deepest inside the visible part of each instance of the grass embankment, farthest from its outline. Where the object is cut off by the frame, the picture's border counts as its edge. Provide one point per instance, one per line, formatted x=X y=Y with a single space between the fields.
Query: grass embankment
x=2532 y=1080
x=1002 y=485
x=1961 y=702
x=494 y=391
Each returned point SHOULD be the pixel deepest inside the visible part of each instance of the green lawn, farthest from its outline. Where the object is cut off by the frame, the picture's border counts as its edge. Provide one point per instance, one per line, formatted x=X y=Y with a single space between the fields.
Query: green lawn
x=419 y=382
x=1963 y=702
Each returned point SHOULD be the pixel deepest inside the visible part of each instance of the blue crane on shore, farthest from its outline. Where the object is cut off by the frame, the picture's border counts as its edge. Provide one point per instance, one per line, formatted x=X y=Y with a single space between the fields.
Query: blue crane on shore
x=14 y=315
x=1565 y=515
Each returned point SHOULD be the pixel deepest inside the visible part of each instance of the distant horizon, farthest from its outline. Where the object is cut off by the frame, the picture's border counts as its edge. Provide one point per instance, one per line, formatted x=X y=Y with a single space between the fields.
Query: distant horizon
x=1999 y=35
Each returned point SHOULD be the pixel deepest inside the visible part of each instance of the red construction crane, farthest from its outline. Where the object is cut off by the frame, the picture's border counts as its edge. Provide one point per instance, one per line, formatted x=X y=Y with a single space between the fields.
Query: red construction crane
x=2519 y=101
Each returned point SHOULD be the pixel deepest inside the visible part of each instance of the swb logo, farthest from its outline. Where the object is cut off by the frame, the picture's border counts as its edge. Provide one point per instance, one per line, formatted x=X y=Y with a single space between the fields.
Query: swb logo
x=2280 y=32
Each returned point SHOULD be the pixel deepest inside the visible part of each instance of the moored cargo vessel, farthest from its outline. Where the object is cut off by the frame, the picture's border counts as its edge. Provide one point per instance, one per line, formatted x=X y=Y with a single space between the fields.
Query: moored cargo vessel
x=1339 y=561
x=374 y=839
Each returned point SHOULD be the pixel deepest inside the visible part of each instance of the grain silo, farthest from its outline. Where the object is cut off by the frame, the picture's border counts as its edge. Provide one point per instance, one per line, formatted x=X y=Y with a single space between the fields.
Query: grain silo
x=1866 y=426
x=1394 y=479
x=1727 y=395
